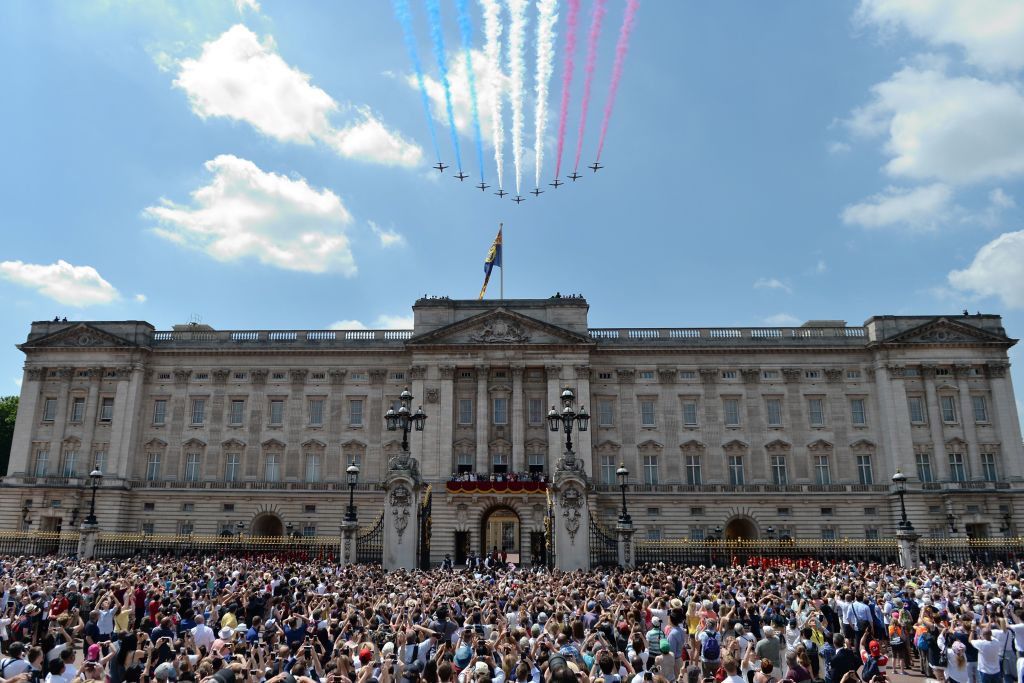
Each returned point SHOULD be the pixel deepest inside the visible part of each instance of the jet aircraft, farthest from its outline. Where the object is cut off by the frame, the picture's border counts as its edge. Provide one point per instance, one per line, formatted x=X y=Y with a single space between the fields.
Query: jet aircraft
x=574 y=176
x=440 y=167
x=481 y=186
x=518 y=199
x=556 y=183
x=461 y=176
x=595 y=167
x=501 y=193
x=536 y=192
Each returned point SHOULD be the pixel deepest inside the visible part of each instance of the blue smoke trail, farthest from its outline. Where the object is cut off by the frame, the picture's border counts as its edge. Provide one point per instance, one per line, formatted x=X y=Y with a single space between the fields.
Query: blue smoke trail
x=405 y=19
x=437 y=34
x=466 y=29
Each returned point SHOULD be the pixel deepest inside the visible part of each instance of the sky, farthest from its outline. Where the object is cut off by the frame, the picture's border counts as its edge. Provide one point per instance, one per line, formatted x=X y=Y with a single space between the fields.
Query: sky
x=263 y=164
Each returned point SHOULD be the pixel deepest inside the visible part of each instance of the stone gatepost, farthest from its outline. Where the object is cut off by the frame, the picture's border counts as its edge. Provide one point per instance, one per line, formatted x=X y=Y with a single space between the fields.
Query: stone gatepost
x=627 y=557
x=910 y=557
x=88 y=534
x=572 y=516
x=401 y=504
x=347 y=551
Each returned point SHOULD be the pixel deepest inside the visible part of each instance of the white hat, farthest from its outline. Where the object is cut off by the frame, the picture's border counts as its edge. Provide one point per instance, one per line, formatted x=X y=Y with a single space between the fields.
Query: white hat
x=226 y=633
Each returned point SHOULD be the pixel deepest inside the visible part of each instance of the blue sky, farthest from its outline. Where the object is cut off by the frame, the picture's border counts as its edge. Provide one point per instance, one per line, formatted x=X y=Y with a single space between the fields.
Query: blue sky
x=266 y=165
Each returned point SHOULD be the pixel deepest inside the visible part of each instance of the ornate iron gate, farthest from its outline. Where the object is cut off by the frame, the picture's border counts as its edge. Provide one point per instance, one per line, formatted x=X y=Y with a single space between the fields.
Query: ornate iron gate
x=424 y=539
x=370 y=543
x=549 y=531
x=604 y=547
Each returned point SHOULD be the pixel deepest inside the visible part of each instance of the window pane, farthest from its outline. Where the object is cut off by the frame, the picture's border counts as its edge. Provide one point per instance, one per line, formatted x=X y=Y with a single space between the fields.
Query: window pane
x=650 y=469
x=608 y=468
x=774 y=406
x=816 y=412
x=988 y=466
x=864 y=472
x=857 y=413
x=77 y=409
x=924 y=467
x=42 y=462
x=271 y=471
x=736 y=470
x=916 y=409
x=355 y=412
x=536 y=411
x=153 y=467
x=231 y=467
x=70 y=463
x=647 y=413
x=823 y=469
x=731 y=408
x=237 y=410
x=159 y=412
x=500 y=411
x=276 y=412
x=780 y=477
x=106 y=409
x=198 y=411
x=313 y=467
x=690 y=413
x=980 y=408
x=465 y=411
x=693 y=473
x=192 y=467
x=316 y=411
x=50 y=409
x=605 y=414
x=957 y=471
x=948 y=405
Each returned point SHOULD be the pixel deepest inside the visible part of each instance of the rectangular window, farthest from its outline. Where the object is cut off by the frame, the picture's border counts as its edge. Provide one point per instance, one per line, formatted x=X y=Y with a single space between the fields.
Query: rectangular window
x=49 y=409
x=236 y=412
x=728 y=374
x=153 y=467
x=605 y=414
x=871 y=533
x=185 y=528
x=957 y=469
x=731 y=410
x=651 y=469
x=99 y=460
x=608 y=468
x=42 y=463
x=159 y=411
x=853 y=374
x=980 y=408
x=693 y=476
x=231 y=466
x=774 y=409
x=780 y=476
x=916 y=405
x=501 y=411
x=316 y=411
x=198 y=411
x=689 y=413
x=70 y=463
x=948 y=406
x=313 y=467
x=465 y=411
x=988 y=466
x=191 y=467
x=77 y=409
x=147 y=528
x=646 y=413
x=647 y=374
x=770 y=374
x=924 y=466
x=816 y=412
x=355 y=412
x=464 y=463
x=106 y=409
x=822 y=470
x=309 y=509
x=604 y=375
x=535 y=411
x=857 y=413
x=309 y=531
x=736 y=470
x=696 y=533
x=687 y=374
x=812 y=374
x=535 y=462
x=499 y=463
x=276 y=412
x=864 y=472
x=272 y=467
x=828 y=533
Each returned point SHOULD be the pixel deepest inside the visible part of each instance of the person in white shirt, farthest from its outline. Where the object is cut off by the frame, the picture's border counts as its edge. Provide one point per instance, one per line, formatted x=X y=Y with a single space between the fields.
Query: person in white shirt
x=990 y=652
x=203 y=635
x=58 y=672
x=732 y=671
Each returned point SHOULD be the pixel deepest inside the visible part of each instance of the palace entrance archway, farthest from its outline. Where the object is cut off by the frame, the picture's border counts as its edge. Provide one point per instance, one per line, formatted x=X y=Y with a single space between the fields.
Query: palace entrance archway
x=500 y=528
x=267 y=524
x=740 y=529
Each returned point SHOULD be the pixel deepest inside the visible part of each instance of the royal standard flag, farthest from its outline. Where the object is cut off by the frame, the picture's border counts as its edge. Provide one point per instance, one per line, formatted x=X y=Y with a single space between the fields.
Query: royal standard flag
x=493 y=259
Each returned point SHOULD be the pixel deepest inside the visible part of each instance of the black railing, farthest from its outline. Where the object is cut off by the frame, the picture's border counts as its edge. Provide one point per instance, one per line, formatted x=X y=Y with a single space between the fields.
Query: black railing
x=370 y=543
x=604 y=546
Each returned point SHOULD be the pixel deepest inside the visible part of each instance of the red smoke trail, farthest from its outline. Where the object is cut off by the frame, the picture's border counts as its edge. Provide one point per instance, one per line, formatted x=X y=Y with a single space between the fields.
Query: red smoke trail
x=595 y=33
x=572 y=22
x=620 y=56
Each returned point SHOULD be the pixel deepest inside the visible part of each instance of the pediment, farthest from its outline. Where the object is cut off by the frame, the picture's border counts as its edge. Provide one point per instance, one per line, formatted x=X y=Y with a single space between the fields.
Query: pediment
x=499 y=327
x=946 y=331
x=80 y=335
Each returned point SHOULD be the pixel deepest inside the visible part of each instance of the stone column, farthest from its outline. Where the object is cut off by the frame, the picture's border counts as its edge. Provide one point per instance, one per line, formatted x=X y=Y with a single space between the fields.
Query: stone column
x=401 y=504
x=92 y=412
x=483 y=464
x=61 y=420
x=629 y=423
x=627 y=556
x=87 y=536
x=1005 y=418
x=572 y=519
x=894 y=416
x=906 y=539
x=124 y=431
x=582 y=443
x=935 y=423
x=972 y=453
x=555 y=443
x=347 y=551
x=423 y=444
x=28 y=417
x=518 y=418
x=446 y=418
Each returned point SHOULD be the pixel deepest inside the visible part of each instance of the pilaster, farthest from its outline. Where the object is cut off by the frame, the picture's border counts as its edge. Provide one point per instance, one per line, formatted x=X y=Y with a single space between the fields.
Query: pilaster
x=28 y=418
x=572 y=520
x=483 y=464
x=518 y=418
x=583 y=442
x=446 y=416
x=1007 y=421
x=554 y=373
x=941 y=458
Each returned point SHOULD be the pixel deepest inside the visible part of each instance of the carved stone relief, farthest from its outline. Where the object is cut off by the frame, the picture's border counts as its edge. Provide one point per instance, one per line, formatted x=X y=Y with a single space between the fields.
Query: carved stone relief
x=500 y=331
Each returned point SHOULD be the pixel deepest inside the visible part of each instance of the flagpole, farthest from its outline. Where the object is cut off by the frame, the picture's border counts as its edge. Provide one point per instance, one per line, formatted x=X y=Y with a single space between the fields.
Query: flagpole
x=500 y=226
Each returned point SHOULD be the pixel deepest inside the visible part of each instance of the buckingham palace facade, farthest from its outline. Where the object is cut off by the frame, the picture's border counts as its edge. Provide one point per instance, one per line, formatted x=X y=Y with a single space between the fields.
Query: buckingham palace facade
x=741 y=432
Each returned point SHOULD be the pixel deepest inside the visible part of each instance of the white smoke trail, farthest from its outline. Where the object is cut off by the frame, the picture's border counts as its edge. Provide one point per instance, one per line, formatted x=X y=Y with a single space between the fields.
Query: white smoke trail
x=547 y=16
x=517 y=75
x=492 y=53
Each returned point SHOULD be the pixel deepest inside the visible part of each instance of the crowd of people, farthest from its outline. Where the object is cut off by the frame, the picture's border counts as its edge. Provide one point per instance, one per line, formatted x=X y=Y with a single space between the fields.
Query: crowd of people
x=285 y=620
x=499 y=476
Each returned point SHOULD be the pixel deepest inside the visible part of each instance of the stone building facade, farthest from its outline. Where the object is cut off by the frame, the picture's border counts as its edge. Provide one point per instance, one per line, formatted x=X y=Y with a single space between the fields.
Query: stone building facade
x=739 y=432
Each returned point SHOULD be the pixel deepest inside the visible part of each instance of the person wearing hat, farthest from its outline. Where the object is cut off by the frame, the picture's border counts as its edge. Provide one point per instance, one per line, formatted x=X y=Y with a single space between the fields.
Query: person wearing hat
x=165 y=673
x=871 y=651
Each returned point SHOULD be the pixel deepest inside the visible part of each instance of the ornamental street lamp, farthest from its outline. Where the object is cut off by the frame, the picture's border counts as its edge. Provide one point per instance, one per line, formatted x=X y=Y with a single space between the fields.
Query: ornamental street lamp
x=353 y=479
x=566 y=419
x=718 y=532
x=900 y=480
x=771 y=533
x=623 y=474
x=240 y=527
x=95 y=477
x=404 y=419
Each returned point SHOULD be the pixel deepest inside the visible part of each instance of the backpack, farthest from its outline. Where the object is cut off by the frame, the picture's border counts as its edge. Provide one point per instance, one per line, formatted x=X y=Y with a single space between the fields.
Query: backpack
x=711 y=650
x=896 y=635
x=919 y=641
x=870 y=669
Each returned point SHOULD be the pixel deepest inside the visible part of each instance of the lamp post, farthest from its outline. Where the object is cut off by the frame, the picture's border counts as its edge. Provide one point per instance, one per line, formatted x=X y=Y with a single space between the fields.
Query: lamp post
x=900 y=480
x=1005 y=528
x=771 y=533
x=718 y=532
x=95 y=477
x=566 y=420
x=290 y=529
x=951 y=520
x=240 y=527
x=403 y=419
x=353 y=478
x=623 y=474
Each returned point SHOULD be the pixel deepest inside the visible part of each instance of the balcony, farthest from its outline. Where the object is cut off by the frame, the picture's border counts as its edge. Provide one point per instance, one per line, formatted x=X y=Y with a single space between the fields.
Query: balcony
x=487 y=487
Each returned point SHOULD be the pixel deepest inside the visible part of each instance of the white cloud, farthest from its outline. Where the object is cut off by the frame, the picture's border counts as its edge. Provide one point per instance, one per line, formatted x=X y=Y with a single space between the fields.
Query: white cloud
x=782 y=320
x=382 y=322
x=241 y=78
x=997 y=270
x=140 y=298
x=836 y=148
x=17 y=382
x=388 y=238
x=61 y=281
x=772 y=283
x=998 y=198
x=820 y=267
x=991 y=32
x=992 y=215
x=242 y=5
x=245 y=212
x=459 y=85
x=921 y=208
x=953 y=129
